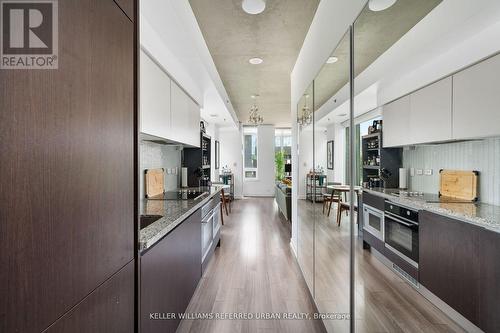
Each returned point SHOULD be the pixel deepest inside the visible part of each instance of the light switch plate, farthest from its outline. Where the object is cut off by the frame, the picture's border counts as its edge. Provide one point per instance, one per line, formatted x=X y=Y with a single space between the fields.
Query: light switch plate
x=412 y=172
x=420 y=172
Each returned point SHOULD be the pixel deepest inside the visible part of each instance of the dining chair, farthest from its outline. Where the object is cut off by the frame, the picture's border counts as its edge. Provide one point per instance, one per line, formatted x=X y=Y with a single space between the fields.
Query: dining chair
x=345 y=207
x=224 y=202
x=330 y=197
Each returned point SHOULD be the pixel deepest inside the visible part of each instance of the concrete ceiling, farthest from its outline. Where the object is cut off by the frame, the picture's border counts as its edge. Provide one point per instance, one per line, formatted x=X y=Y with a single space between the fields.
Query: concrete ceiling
x=374 y=33
x=276 y=35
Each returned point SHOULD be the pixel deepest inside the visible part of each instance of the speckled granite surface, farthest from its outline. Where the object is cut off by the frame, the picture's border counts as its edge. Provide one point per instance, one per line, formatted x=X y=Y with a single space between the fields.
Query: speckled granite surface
x=483 y=215
x=173 y=213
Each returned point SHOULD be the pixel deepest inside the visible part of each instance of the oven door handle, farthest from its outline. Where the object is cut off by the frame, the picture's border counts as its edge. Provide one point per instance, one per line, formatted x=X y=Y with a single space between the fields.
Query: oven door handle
x=400 y=219
x=409 y=225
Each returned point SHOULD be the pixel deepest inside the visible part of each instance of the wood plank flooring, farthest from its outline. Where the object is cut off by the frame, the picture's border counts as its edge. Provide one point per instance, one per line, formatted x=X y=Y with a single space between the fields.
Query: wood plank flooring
x=255 y=271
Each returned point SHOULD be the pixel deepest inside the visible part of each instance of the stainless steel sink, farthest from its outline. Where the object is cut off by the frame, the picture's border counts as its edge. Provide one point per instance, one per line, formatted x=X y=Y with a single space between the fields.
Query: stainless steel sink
x=147 y=220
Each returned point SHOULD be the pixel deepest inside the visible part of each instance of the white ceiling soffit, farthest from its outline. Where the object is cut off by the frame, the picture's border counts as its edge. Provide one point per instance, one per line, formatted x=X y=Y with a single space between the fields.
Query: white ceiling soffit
x=275 y=35
x=170 y=33
x=455 y=34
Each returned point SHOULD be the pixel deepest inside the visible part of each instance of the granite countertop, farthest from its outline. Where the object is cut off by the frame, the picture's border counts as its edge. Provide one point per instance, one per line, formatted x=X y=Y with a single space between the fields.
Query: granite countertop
x=173 y=213
x=480 y=214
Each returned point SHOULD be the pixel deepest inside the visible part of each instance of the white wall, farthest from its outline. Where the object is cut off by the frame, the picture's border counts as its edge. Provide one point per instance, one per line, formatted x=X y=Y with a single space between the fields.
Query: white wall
x=231 y=155
x=264 y=185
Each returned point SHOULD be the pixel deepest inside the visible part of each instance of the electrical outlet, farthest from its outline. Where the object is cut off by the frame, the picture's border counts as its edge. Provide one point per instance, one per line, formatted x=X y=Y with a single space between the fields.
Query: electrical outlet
x=428 y=172
x=420 y=172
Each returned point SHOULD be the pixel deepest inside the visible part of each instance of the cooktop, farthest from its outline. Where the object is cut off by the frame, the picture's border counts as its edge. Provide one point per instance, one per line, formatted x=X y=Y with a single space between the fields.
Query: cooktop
x=428 y=197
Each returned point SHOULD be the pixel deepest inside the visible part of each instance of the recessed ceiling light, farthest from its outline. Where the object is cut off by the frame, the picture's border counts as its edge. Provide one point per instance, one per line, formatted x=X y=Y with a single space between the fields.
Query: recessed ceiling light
x=332 y=60
x=253 y=6
x=213 y=115
x=255 y=61
x=342 y=114
x=379 y=5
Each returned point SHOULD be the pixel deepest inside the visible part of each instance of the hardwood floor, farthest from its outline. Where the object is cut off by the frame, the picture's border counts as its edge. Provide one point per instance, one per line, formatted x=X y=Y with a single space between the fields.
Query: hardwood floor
x=253 y=271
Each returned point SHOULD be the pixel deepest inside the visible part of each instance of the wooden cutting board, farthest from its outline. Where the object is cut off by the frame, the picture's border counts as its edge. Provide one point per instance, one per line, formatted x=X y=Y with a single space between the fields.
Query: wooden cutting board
x=155 y=182
x=459 y=184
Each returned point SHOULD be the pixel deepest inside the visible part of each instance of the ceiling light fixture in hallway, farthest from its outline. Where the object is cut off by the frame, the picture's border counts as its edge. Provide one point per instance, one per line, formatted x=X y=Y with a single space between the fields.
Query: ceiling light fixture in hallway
x=255 y=61
x=379 y=5
x=253 y=6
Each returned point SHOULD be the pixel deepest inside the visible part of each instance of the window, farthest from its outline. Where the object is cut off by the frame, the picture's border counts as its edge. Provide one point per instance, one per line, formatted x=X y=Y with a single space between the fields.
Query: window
x=283 y=143
x=250 y=152
x=283 y=152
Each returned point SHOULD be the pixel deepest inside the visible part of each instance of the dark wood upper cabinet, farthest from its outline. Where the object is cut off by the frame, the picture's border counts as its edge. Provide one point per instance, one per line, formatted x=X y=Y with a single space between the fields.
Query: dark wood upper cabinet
x=128 y=8
x=448 y=263
x=489 y=306
x=67 y=168
x=110 y=308
x=170 y=272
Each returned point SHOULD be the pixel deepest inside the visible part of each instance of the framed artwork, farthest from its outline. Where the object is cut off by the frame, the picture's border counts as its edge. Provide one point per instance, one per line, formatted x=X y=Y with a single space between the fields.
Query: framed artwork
x=217 y=155
x=329 y=154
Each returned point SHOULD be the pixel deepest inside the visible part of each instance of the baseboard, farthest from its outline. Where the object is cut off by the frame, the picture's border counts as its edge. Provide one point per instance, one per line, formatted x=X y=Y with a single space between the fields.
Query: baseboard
x=294 y=250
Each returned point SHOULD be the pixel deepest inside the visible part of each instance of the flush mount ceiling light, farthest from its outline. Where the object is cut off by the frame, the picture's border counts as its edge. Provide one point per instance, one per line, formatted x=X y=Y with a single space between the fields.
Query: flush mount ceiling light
x=342 y=114
x=253 y=6
x=379 y=5
x=332 y=60
x=255 y=61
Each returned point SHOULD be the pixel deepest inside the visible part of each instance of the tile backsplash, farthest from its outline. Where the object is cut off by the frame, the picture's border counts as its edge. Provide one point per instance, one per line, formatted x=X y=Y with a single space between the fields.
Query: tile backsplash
x=481 y=155
x=154 y=155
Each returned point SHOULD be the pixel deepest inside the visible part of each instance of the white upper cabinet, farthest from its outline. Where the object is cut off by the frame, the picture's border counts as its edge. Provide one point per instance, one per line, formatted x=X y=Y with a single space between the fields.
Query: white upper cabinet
x=431 y=113
x=476 y=100
x=396 y=123
x=185 y=118
x=154 y=99
x=166 y=110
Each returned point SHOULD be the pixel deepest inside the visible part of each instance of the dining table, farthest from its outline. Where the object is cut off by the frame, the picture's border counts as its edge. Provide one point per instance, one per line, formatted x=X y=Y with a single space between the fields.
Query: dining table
x=343 y=190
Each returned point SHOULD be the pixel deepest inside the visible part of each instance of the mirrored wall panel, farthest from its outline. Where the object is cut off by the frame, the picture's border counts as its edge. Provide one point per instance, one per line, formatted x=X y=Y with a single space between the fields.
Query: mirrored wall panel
x=332 y=232
x=306 y=195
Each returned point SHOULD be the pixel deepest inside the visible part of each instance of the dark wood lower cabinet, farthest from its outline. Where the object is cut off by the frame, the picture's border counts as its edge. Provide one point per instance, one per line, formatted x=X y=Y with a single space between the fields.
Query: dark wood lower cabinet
x=489 y=304
x=109 y=309
x=448 y=263
x=170 y=272
x=459 y=263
